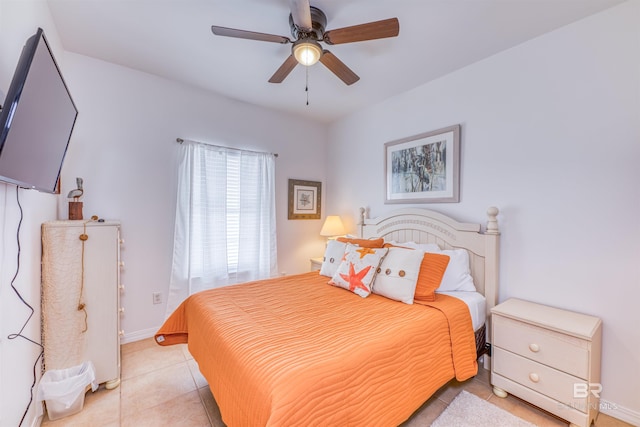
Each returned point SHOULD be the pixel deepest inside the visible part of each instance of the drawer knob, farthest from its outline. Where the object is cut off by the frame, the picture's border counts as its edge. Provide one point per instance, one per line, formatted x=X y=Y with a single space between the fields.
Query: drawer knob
x=534 y=377
x=121 y=310
x=534 y=347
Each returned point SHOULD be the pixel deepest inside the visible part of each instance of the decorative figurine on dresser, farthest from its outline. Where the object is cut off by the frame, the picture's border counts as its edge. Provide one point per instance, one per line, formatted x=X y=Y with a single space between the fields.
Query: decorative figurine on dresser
x=75 y=206
x=549 y=357
x=81 y=296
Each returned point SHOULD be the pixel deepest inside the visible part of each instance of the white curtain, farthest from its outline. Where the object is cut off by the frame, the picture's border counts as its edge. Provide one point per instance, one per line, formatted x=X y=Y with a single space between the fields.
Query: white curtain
x=225 y=229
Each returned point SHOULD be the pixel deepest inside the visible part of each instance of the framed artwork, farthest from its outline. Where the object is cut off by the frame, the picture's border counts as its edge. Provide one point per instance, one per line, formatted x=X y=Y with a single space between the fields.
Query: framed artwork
x=304 y=199
x=423 y=168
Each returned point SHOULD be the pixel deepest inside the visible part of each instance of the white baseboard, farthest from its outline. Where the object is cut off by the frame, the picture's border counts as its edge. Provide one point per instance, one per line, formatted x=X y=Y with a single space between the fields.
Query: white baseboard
x=616 y=411
x=139 y=335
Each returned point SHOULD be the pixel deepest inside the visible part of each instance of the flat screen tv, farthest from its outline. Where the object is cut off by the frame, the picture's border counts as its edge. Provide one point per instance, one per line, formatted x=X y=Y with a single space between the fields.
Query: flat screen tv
x=36 y=121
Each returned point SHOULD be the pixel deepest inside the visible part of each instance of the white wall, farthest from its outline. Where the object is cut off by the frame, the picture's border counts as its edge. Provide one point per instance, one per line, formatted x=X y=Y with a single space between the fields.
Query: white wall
x=124 y=146
x=550 y=135
x=18 y=21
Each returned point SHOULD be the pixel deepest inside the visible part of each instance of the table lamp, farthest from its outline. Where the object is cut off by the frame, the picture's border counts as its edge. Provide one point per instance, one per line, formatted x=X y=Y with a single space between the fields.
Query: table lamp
x=332 y=227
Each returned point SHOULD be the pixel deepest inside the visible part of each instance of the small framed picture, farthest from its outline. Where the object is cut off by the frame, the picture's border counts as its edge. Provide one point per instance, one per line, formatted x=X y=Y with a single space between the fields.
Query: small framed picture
x=423 y=168
x=304 y=199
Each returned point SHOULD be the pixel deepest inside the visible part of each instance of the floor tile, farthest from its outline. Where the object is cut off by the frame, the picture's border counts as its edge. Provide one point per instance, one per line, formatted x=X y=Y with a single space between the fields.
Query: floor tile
x=185 y=350
x=195 y=372
x=454 y=387
x=185 y=410
x=154 y=388
x=149 y=359
x=162 y=386
x=483 y=375
x=101 y=408
x=210 y=405
x=137 y=346
x=427 y=413
x=527 y=411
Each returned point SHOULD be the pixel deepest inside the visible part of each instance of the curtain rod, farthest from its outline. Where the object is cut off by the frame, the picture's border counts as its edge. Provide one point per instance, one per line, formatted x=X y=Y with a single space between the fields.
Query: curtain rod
x=181 y=140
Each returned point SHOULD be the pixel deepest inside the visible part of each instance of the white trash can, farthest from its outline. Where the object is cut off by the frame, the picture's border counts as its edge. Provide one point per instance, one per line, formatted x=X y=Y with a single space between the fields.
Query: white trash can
x=63 y=390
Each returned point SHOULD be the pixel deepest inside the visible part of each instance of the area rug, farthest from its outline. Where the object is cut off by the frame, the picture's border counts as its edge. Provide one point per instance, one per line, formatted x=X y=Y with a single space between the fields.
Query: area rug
x=468 y=410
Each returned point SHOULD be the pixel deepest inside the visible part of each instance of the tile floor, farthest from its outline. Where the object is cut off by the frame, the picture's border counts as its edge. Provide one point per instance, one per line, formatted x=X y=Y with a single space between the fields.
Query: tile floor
x=161 y=386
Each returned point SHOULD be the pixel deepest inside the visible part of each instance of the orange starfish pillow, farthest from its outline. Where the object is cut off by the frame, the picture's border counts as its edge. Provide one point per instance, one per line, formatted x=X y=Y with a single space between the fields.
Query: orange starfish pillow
x=358 y=269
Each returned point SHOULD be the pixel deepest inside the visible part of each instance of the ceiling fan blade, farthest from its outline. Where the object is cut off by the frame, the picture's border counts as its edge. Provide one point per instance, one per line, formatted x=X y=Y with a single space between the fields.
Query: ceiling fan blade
x=301 y=13
x=284 y=70
x=370 y=31
x=338 y=68
x=242 y=34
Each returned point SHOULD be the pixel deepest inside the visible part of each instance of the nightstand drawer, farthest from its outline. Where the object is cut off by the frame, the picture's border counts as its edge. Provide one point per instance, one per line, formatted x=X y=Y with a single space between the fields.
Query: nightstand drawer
x=559 y=351
x=538 y=377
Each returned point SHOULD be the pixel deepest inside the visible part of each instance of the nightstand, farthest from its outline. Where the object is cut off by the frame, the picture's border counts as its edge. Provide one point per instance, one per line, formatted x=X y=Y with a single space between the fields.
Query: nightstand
x=548 y=357
x=316 y=263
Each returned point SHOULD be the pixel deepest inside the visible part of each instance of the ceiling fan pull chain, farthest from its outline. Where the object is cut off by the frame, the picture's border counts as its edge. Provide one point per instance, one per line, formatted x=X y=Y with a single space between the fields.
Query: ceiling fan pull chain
x=306 y=88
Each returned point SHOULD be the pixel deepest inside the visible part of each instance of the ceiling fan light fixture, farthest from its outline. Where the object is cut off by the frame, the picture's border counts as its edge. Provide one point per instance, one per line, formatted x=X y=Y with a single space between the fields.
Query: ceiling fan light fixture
x=307 y=51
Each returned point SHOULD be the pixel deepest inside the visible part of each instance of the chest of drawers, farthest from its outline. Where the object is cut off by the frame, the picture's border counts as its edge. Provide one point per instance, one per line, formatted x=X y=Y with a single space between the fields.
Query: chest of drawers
x=82 y=271
x=548 y=357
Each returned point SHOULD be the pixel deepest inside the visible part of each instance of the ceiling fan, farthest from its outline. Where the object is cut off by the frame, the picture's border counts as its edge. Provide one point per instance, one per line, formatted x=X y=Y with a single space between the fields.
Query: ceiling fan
x=307 y=25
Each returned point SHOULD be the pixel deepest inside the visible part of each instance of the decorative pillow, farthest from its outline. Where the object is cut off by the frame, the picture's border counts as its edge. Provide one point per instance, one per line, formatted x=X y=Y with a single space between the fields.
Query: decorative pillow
x=333 y=255
x=358 y=269
x=432 y=270
x=398 y=274
x=458 y=274
x=364 y=243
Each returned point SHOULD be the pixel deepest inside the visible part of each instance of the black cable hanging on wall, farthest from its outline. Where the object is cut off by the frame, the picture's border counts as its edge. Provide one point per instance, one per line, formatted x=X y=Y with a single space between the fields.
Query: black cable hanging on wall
x=17 y=292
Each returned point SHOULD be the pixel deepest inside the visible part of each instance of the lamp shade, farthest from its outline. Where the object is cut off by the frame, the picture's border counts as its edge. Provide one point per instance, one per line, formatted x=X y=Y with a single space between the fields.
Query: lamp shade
x=332 y=226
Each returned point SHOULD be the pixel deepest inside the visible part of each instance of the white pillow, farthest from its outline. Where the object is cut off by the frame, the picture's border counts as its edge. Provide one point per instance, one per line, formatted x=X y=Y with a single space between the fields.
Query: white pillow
x=333 y=255
x=358 y=269
x=425 y=247
x=398 y=274
x=457 y=276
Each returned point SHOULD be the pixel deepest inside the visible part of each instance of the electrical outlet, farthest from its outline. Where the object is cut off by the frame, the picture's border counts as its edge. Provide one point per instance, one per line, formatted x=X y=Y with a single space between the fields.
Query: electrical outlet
x=157 y=297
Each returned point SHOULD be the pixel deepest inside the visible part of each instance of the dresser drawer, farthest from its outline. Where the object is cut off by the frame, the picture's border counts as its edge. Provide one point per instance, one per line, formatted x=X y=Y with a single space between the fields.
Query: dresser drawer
x=538 y=377
x=563 y=352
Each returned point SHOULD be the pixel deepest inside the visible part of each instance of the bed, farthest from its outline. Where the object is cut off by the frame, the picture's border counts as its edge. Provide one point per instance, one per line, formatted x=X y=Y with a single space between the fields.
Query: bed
x=297 y=351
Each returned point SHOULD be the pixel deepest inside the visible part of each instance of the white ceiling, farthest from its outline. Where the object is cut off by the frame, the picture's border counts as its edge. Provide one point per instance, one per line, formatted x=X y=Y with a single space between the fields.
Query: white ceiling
x=173 y=39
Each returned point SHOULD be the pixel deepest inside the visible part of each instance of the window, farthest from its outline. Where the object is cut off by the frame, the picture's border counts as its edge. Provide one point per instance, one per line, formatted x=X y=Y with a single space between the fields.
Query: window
x=225 y=229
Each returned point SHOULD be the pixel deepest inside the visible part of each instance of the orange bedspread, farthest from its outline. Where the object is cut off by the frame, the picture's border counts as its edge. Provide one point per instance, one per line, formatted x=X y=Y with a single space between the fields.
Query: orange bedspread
x=295 y=351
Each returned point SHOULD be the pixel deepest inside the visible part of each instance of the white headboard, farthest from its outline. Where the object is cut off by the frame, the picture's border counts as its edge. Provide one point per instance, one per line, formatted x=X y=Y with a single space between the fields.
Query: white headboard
x=425 y=226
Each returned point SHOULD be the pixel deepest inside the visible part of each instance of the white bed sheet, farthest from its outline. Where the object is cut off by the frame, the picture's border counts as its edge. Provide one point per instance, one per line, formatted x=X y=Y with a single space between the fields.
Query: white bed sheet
x=477 y=306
